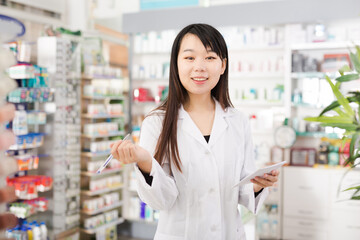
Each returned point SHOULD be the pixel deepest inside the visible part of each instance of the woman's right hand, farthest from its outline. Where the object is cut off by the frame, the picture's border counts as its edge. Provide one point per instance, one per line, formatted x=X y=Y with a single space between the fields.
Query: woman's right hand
x=127 y=152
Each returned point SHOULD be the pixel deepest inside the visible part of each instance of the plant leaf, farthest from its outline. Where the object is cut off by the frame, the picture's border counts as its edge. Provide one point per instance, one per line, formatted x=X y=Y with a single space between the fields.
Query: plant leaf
x=355 y=61
x=344 y=69
x=352 y=143
x=338 y=85
x=357 y=51
x=329 y=119
x=341 y=99
x=351 y=159
x=346 y=126
x=338 y=111
x=348 y=77
x=335 y=104
x=355 y=198
x=352 y=188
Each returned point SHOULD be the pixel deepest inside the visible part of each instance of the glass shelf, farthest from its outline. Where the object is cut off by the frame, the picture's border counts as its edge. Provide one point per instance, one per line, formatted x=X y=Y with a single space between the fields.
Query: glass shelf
x=104 y=209
x=101 y=191
x=300 y=75
x=104 y=226
x=317 y=134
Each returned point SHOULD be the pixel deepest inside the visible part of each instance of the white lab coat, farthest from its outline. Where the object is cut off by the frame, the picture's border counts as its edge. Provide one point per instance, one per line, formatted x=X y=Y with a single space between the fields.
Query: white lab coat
x=201 y=203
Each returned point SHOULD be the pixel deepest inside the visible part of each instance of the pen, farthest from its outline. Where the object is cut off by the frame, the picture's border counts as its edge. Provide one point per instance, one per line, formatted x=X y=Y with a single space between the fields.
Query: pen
x=110 y=157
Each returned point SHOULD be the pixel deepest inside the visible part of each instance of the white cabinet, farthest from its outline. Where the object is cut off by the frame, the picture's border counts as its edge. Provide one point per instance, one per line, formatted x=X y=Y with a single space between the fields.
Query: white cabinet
x=312 y=207
x=345 y=224
x=303 y=198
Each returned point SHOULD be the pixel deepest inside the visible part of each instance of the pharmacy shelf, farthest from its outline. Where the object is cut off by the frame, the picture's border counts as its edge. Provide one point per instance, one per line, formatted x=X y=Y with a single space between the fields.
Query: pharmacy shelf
x=304 y=105
x=30 y=215
x=240 y=76
x=103 y=173
x=102 y=191
x=66 y=233
x=257 y=48
x=103 y=97
x=300 y=75
x=100 y=77
x=104 y=209
x=120 y=133
x=94 y=155
x=323 y=45
x=317 y=135
x=90 y=116
x=151 y=79
x=102 y=227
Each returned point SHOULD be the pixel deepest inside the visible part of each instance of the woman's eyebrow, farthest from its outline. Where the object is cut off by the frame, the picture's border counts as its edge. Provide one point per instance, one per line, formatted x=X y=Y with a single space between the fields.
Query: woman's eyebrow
x=191 y=50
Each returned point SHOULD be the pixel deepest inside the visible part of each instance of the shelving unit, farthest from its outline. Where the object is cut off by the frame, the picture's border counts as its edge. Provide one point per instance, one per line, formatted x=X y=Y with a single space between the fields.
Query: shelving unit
x=62 y=57
x=107 y=108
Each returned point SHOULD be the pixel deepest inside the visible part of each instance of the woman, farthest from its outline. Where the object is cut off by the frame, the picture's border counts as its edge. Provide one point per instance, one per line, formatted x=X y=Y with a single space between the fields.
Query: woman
x=195 y=147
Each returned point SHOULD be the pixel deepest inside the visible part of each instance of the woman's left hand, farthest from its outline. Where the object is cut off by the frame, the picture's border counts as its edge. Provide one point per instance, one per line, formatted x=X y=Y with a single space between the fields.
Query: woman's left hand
x=268 y=180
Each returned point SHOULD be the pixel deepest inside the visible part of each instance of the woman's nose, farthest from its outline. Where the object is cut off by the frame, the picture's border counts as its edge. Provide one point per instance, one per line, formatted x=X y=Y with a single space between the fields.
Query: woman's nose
x=199 y=65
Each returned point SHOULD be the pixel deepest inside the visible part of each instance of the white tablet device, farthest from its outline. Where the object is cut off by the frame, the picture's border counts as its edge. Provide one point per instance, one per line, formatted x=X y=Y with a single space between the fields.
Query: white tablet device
x=259 y=173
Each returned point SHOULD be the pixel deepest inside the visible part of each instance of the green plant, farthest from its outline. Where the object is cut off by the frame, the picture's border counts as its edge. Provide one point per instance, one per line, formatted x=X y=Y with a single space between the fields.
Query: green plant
x=344 y=113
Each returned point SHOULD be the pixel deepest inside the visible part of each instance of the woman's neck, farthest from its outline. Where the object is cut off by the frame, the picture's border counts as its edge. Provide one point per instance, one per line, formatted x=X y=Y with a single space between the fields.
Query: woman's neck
x=200 y=104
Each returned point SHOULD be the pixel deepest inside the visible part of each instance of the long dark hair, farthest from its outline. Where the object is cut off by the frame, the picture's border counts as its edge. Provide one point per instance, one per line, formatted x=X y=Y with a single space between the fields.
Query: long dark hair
x=167 y=147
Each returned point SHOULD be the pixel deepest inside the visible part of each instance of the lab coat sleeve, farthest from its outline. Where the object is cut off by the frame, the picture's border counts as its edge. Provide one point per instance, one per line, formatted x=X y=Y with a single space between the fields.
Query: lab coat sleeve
x=246 y=192
x=162 y=193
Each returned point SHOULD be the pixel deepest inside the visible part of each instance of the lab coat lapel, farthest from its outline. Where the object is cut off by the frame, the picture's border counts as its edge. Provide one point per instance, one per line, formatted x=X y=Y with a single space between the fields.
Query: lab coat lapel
x=190 y=127
x=219 y=125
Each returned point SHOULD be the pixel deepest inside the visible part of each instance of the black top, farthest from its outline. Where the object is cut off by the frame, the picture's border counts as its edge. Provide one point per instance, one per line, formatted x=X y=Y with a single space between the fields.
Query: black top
x=149 y=178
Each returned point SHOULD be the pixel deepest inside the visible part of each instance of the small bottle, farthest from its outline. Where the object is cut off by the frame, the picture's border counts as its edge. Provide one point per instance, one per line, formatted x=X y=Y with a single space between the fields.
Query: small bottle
x=265 y=228
x=29 y=233
x=36 y=232
x=9 y=233
x=43 y=230
x=24 y=235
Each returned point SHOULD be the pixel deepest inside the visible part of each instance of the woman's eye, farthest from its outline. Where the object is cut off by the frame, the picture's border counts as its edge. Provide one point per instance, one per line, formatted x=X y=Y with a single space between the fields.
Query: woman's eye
x=210 y=58
x=189 y=58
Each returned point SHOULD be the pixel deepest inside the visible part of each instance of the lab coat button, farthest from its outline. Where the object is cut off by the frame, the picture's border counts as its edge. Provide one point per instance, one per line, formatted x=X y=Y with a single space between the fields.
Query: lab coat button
x=212 y=190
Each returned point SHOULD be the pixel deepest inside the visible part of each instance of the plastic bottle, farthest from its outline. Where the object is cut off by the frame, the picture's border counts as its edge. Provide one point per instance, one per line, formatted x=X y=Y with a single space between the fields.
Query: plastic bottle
x=265 y=228
x=29 y=233
x=36 y=232
x=24 y=235
x=9 y=233
x=43 y=230
x=273 y=221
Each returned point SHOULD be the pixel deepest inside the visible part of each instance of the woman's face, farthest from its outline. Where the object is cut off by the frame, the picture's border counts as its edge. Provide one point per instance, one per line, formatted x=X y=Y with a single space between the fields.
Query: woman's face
x=199 y=68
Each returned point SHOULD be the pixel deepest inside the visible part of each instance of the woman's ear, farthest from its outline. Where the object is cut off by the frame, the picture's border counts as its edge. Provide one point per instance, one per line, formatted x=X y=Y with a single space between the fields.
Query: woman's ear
x=223 y=66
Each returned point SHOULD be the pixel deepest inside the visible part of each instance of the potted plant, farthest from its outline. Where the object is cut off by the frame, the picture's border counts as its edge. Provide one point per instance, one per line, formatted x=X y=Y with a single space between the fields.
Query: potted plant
x=344 y=113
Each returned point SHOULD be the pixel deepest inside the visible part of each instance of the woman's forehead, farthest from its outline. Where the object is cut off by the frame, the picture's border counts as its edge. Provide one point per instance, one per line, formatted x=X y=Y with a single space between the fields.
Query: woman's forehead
x=192 y=43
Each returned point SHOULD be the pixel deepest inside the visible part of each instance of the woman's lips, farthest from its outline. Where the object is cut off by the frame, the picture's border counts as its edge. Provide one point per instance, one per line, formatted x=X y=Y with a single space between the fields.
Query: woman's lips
x=199 y=80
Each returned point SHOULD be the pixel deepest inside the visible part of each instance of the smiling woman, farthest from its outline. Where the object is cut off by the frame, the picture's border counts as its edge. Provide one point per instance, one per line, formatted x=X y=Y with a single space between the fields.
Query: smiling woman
x=196 y=146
